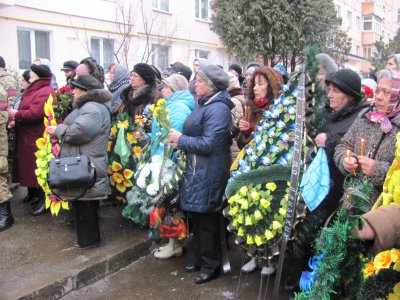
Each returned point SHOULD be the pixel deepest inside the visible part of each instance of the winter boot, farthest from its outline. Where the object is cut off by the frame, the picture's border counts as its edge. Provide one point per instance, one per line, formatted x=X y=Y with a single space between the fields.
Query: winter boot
x=40 y=209
x=173 y=248
x=268 y=268
x=6 y=218
x=250 y=266
x=161 y=248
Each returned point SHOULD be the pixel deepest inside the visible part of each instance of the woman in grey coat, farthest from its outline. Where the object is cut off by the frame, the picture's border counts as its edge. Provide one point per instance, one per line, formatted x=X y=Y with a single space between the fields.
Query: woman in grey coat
x=86 y=130
x=368 y=147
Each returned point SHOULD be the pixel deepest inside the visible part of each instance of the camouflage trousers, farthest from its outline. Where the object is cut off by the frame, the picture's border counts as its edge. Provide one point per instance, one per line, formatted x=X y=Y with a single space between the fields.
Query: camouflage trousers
x=5 y=193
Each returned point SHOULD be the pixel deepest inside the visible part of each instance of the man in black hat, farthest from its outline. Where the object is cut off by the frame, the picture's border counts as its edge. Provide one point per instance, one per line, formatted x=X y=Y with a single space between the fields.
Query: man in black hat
x=68 y=67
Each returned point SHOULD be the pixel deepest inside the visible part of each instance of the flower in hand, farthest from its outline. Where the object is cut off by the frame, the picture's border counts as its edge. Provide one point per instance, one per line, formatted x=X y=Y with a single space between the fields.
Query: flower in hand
x=173 y=137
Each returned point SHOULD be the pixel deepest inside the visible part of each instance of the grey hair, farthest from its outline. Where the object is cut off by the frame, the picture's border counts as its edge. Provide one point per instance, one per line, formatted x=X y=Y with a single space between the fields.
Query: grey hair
x=327 y=64
x=385 y=73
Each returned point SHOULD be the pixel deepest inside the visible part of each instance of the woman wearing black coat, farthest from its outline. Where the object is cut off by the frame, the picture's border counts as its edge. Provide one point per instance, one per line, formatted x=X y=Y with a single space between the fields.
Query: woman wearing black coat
x=206 y=140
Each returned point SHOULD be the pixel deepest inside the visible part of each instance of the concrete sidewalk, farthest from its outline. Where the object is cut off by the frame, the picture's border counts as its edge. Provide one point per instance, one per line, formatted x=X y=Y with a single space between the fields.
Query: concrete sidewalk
x=37 y=258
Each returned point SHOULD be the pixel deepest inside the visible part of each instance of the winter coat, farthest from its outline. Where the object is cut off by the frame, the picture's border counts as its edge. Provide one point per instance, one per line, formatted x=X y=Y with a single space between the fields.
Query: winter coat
x=180 y=105
x=239 y=101
x=206 y=140
x=385 y=221
x=120 y=83
x=371 y=132
x=336 y=126
x=255 y=113
x=135 y=104
x=29 y=127
x=86 y=130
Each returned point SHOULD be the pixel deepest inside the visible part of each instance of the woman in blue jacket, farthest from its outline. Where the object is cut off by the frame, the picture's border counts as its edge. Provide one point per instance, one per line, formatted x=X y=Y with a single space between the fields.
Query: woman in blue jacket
x=206 y=140
x=180 y=104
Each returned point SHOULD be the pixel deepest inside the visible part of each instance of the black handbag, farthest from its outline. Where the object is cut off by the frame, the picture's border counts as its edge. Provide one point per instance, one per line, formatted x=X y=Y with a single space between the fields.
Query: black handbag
x=71 y=172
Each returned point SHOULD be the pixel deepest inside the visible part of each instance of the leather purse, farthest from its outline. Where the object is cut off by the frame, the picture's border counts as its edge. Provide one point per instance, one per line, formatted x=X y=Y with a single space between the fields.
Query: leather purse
x=71 y=172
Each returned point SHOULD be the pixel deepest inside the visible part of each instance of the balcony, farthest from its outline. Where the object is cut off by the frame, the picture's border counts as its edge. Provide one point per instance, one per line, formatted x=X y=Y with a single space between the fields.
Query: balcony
x=372 y=8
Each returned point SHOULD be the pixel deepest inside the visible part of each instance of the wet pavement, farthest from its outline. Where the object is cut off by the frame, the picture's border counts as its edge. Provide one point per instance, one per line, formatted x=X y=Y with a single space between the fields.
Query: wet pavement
x=38 y=261
x=150 y=278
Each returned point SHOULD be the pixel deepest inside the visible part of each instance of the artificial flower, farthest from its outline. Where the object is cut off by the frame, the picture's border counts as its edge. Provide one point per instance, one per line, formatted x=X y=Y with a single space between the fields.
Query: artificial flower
x=271 y=186
x=255 y=196
x=258 y=215
x=245 y=205
x=115 y=166
x=395 y=255
x=130 y=138
x=128 y=173
x=137 y=151
x=240 y=232
x=234 y=211
x=114 y=130
x=125 y=124
x=140 y=120
x=369 y=269
x=265 y=203
x=282 y=211
x=249 y=239
x=240 y=219
x=382 y=260
x=276 y=225
x=259 y=240
x=244 y=190
x=248 y=221
x=268 y=234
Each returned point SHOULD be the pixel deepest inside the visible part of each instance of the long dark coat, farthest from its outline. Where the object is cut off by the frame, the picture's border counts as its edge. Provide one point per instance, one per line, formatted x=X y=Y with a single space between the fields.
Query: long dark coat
x=206 y=140
x=88 y=127
x=29 y=127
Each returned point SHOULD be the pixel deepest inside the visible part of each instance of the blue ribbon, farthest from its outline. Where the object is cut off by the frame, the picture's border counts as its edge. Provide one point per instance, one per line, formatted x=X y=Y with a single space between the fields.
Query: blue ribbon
x=307 y=278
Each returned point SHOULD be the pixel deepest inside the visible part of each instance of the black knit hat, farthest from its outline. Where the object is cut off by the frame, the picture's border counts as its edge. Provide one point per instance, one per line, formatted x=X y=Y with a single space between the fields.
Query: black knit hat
x=146 y=72
x=2 y=62
x=183 y=70
x=86 y=83
x=26 y=75
x=347 y=81
x=42 y=71
x=236 y=68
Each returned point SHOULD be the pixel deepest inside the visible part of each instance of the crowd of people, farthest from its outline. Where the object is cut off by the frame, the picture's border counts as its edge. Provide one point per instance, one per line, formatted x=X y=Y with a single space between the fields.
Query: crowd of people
x=155 y=136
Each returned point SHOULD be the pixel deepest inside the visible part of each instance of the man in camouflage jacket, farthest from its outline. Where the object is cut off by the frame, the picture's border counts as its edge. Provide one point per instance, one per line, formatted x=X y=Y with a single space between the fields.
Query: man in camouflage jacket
x=8 y=93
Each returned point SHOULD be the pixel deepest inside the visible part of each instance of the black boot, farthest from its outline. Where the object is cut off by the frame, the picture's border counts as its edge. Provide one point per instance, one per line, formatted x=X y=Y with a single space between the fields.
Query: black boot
x=6 y=218
x=31 y=195
x=40 y=209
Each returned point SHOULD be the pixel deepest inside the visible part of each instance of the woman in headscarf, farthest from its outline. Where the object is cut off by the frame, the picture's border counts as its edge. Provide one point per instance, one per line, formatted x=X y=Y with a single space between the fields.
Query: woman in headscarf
x=369 y=145
x=119 y=81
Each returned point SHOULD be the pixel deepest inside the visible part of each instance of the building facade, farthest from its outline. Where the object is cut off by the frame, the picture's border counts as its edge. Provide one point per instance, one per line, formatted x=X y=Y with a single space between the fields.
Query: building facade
x=158 y=32
x=365 y=22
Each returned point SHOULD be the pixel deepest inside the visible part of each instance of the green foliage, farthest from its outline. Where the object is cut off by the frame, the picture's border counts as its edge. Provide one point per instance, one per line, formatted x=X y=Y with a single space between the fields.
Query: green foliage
x=277 y=29
x=339 y=273
x=383 y=51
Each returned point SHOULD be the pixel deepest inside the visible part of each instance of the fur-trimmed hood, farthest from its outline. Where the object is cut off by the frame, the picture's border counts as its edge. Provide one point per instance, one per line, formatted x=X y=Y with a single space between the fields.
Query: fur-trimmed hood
x=100 y=96
x=275 y=81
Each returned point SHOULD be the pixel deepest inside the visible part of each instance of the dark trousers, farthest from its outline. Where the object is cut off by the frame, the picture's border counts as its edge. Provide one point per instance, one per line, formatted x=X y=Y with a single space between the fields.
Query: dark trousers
x=87 y=222
x=207 y=241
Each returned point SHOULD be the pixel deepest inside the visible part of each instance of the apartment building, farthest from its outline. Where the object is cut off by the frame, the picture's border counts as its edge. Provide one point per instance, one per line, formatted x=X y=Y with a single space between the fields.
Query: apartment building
x=365 y=22
x=159 y=32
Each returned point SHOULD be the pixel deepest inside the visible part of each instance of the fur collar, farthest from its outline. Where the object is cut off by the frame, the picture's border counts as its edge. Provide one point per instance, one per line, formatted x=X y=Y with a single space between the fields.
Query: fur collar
x=132 y=98
x=100 y=96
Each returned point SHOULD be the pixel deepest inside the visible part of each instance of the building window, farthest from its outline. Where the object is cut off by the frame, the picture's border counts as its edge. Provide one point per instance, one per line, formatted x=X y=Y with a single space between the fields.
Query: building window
x=358 y=50
x=350 y=19
x=162 y=5
x=338 y=11
x=367 y=23
x=367 y=52
x=201 y=54
x=160 y=56
x=102 y=51
x=202 y=9
x=32 y=44
x=358 y=22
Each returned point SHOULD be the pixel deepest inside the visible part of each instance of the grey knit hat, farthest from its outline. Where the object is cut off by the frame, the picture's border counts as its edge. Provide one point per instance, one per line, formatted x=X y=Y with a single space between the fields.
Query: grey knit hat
x=327 y=64
x=176 y=82
x=215 y=76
